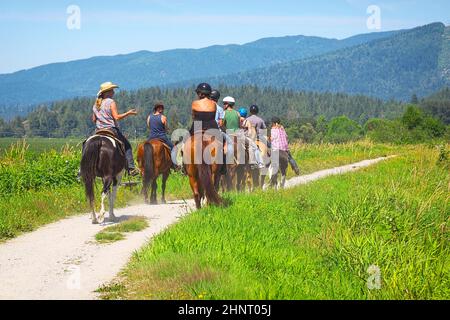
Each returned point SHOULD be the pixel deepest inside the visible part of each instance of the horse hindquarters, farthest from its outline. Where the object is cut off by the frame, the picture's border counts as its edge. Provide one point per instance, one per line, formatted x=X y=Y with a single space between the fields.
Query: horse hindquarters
x=148 y=170
x=88 y=168
x=205 y=177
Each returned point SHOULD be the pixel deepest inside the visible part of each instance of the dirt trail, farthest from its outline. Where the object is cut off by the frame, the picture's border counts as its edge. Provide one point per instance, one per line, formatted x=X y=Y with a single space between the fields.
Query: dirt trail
x=63 y=261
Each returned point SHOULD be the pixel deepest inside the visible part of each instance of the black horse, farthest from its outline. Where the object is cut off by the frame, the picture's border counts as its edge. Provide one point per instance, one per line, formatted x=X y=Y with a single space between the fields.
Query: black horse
x=102 y=157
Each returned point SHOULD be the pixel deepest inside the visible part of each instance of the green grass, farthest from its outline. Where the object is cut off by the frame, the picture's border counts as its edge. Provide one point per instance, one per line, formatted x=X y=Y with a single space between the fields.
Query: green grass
x=316 y=241
x=108 y=237
x=131 y=225
x=116 y=232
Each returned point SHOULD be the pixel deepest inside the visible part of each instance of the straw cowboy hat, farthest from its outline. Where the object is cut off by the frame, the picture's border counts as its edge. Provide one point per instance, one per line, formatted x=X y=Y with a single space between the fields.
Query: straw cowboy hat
x=106 y=87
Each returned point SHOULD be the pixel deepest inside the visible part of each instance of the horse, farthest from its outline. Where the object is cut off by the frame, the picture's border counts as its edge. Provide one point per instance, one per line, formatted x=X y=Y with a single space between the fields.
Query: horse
x=102 y=157
x=276 y=168
x=154 y=159
x=204 y=178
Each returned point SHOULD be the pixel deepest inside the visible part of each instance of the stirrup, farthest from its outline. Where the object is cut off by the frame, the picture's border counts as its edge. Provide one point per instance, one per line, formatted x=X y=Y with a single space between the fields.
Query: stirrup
x=133 y=172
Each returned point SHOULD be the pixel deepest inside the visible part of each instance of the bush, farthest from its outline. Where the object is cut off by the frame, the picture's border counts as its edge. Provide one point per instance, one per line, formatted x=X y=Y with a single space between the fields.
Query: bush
x=343 y=129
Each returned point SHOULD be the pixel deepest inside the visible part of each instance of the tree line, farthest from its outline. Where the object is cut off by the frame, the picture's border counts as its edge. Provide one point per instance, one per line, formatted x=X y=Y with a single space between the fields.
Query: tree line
x=308 y=116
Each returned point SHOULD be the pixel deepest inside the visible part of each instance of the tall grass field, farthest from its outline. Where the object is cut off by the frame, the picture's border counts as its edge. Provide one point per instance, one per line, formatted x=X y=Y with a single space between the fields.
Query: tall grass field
x=379 y=233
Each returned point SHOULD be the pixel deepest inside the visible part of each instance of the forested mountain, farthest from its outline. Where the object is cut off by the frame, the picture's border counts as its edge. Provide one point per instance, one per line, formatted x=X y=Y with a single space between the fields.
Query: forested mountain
x=438 y=105
x=20 y=90
x=72 y=117
x=414 y=61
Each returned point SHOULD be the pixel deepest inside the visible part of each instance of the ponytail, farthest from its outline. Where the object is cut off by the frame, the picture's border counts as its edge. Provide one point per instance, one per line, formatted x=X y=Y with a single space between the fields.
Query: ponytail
x=98 y=102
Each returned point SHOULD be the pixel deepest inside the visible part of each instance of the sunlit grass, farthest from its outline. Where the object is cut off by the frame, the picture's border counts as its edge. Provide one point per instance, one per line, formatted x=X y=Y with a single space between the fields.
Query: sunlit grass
x=312 y=242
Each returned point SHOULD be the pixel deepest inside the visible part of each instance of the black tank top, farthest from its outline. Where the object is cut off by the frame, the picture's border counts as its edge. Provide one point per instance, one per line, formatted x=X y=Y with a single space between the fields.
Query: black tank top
x=207 y=118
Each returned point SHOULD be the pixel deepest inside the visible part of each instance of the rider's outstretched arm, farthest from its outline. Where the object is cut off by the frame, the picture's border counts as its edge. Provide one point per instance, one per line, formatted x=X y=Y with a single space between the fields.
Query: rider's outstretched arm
x=118 y=116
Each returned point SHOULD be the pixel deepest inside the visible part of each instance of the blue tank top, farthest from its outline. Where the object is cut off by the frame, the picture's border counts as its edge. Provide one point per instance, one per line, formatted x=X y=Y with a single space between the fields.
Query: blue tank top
x=157 y=128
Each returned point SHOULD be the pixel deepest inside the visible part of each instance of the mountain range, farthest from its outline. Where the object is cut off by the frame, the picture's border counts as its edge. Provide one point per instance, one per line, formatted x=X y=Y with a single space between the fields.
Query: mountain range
x=386 y=65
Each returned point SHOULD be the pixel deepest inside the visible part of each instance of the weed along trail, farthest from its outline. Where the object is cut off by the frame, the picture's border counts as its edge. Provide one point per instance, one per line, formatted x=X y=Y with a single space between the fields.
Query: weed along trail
x=65 y=260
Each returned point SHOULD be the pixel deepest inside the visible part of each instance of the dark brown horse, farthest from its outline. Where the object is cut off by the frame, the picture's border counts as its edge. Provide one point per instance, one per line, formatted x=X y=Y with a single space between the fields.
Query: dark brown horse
x=154 y=159
x=102 y=157
x=204 y=176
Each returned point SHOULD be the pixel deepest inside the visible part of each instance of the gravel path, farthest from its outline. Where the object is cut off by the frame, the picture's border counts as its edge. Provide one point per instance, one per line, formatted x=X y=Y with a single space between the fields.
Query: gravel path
x=63 y=261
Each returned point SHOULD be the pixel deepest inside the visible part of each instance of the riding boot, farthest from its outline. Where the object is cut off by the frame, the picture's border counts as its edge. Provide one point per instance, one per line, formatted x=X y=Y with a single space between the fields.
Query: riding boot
x=293 y=163
x=130 y=163
x=223 y=169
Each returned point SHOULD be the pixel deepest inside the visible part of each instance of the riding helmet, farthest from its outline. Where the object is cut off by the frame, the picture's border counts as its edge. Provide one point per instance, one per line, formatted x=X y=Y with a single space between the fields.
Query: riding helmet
x=230 y=100
x=204 y=88
x=243 y=112
x=215 y=95
x=254 y=109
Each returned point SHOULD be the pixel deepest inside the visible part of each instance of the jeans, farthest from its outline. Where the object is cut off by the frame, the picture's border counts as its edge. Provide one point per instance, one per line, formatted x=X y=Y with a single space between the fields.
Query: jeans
x=254 y=149
x=128 y=150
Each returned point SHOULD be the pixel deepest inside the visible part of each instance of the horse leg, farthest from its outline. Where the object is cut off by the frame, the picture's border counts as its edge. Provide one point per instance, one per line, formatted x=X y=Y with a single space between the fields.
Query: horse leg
x=107 y=182
x=145 y=186
x=112 y=197
x=163 y=187
x=153 y=199
x=195 y=190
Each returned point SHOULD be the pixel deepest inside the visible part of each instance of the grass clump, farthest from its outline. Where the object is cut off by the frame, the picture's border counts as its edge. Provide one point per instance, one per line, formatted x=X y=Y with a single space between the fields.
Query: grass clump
x=108 y=237
x=116 y=232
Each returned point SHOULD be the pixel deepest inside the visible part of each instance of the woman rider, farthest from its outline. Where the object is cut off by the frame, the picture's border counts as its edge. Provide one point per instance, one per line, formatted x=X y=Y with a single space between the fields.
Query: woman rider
x=106 y=116
x=204 y=110
x=157 y=123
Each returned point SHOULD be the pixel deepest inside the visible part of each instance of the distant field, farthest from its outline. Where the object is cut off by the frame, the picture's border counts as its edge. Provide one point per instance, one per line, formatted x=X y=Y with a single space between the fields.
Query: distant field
x=40 y=145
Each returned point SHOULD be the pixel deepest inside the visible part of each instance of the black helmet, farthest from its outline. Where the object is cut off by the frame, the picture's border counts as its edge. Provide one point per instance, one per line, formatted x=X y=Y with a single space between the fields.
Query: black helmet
x=204 y=88
x=276 y=120
x=215 y=95
x=254 y=109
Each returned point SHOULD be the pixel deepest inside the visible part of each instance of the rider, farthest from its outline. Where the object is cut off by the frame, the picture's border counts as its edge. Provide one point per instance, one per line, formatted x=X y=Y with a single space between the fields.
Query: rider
x=279 y=141
x=244 y=114
x=106 y=116
x=220 y=115
x=215 y=96
x=157 y=123
x=254 y=126
x=204 y=109
x=232 y=119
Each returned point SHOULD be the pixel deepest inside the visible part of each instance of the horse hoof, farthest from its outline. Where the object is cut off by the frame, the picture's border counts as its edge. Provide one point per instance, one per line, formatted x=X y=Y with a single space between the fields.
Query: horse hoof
x=163 y=201
x=112 y=218
x=101 y=219
x=95 y=221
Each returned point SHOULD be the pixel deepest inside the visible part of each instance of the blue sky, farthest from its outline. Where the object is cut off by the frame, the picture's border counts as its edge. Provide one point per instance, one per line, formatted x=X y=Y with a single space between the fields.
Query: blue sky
x=34 y=32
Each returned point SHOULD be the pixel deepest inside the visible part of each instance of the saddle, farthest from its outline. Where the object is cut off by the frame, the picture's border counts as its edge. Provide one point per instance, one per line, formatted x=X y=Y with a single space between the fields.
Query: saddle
x=111 y=135
x=163 y=143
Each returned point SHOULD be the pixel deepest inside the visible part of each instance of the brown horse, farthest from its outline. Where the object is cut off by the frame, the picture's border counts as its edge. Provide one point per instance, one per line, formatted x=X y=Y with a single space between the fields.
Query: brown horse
x=204 y=178
x=154 y=159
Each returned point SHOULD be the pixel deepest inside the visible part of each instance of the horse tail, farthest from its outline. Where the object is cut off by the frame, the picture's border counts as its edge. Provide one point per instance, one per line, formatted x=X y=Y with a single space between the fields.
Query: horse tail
x=205 y=177
x=148 y=163
x=88 y=167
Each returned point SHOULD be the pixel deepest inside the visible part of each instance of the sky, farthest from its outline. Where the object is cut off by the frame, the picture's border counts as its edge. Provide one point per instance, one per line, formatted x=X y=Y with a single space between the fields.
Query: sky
x=33 y=32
